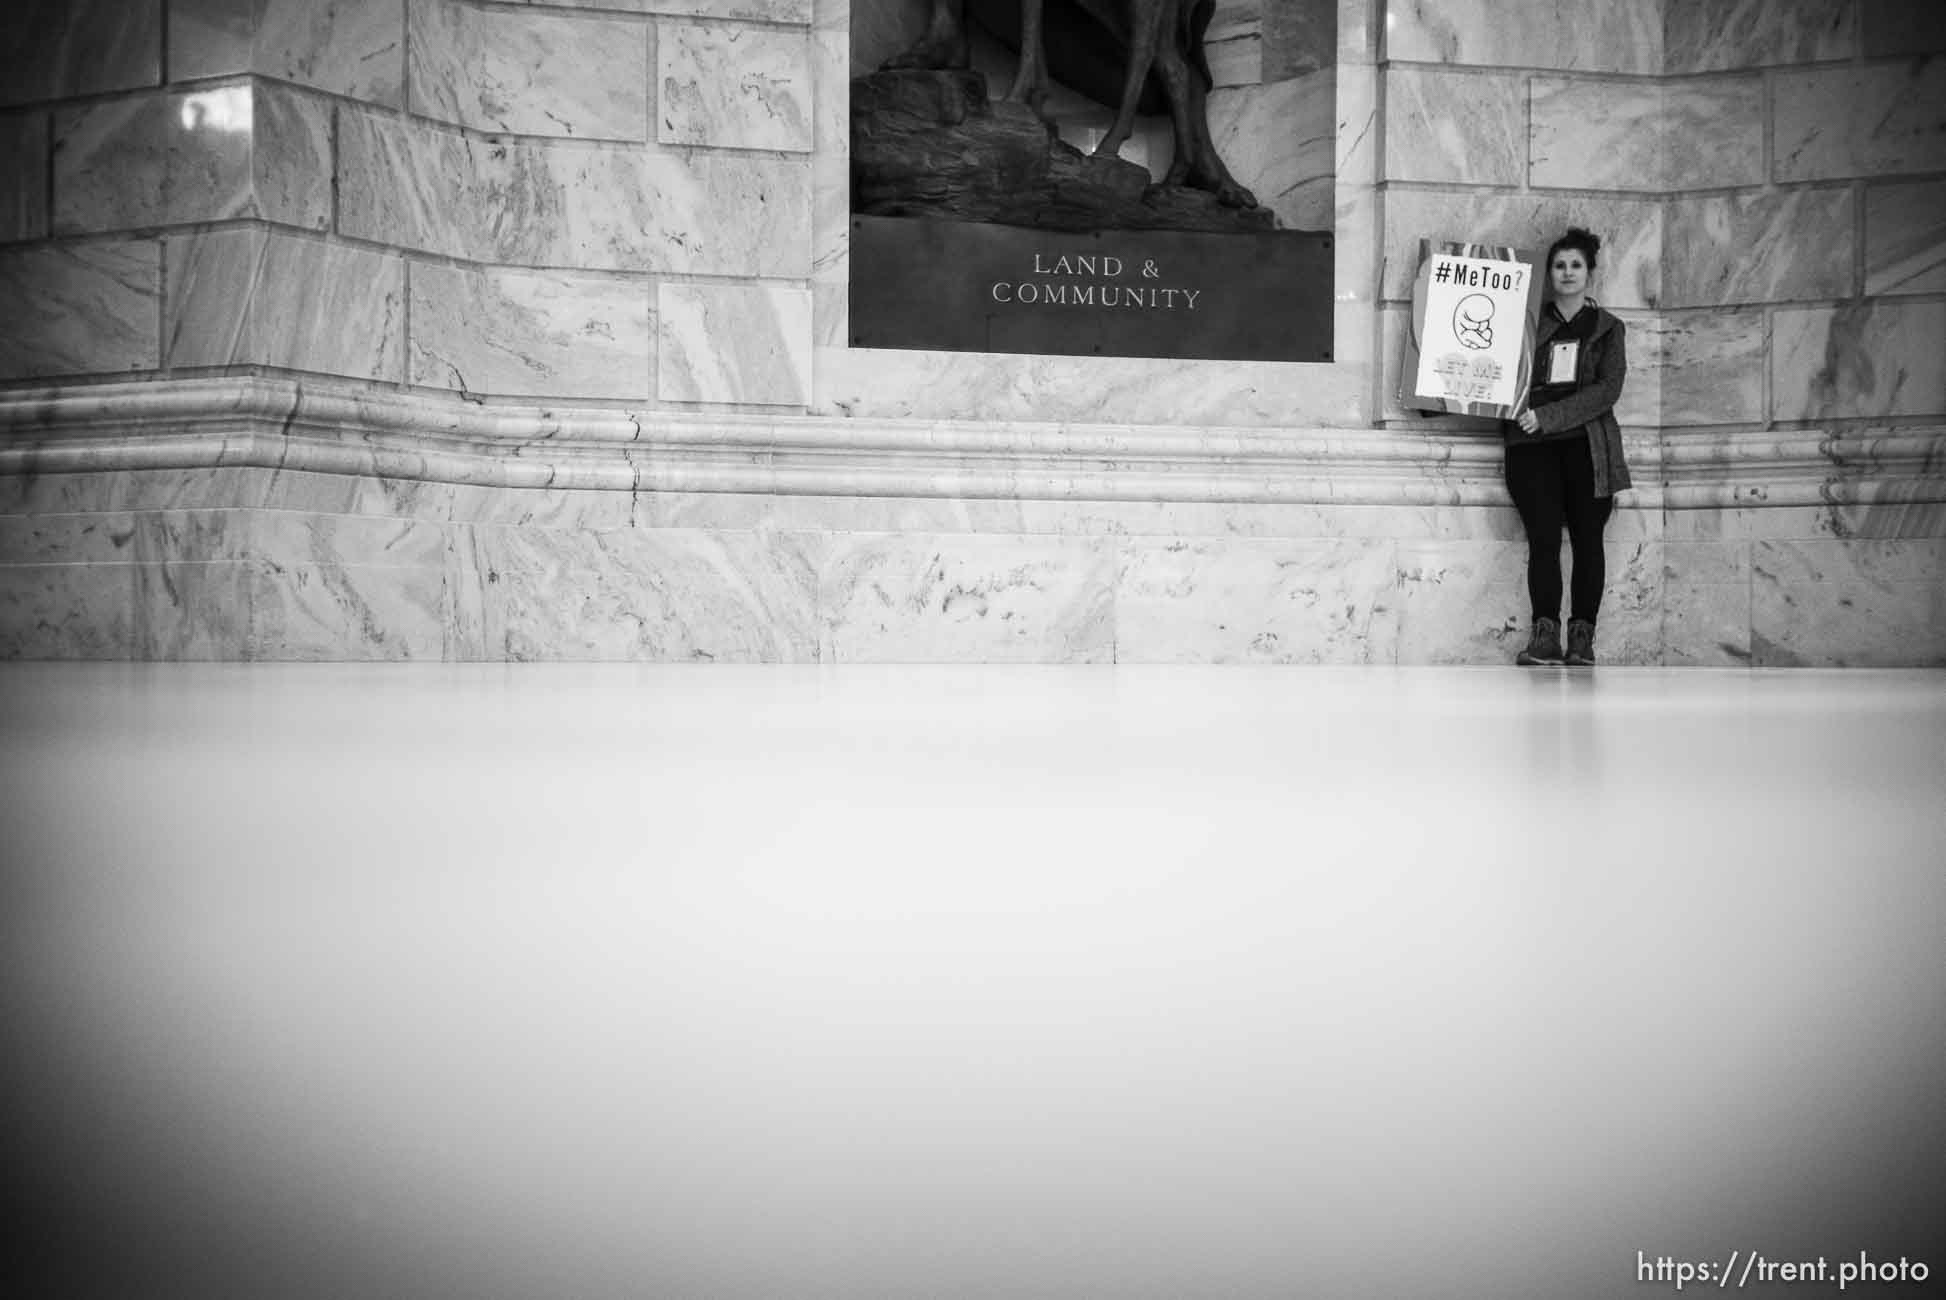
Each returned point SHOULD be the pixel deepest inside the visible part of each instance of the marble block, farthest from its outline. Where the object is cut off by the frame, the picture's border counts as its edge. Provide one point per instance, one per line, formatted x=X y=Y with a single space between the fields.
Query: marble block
x=1902 y=27
x=1599 y=135
x=529 y=333
x=1713 y=367
x=59 y=49
x=354 y=48
x=1868 y=360
x=831 y=190
x=328 y=613
x=733 y=87
x=1630 y=273
x=1871 y=120
x=771 y=11
x=1355 y=242
x=67 y=611
x=1706 y=624
x=1713 y=133
x=1465 y=127
x=243 y=150
x=1598 y=36
x=666 y=595
x=733 y=343
x=533 y=73
x=910 y=598
x=562 y=205
x=1228 y=601
x=263 y=610
x=1844 y=603
x=1757 y=248
x=23 y=176
x=80 y=309
x=264 y=297
x=1905 y=238
x=1720 y=35
x=1284 y=137
x=1461 y=602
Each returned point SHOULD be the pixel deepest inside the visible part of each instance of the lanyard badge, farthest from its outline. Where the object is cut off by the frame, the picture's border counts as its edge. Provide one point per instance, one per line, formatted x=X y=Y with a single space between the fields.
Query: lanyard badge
x=1561 y=361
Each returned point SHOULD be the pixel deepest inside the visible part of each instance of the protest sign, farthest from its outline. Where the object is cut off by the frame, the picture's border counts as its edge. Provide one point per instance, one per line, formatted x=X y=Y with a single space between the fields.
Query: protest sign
x=1474 y=311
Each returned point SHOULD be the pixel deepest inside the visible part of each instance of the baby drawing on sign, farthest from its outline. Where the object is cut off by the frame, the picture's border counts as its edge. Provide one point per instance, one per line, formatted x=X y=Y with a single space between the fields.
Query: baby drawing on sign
x=1473 y=321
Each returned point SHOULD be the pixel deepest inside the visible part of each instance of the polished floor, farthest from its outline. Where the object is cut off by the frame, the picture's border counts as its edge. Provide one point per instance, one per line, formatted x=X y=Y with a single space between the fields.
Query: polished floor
x=590 y=981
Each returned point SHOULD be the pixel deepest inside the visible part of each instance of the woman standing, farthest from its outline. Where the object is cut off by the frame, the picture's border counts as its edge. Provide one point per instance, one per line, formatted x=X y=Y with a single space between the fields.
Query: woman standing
x=1564 y=452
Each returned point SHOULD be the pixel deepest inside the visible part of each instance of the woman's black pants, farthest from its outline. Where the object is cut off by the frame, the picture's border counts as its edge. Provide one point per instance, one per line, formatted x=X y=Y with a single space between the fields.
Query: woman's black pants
x=1553 y=486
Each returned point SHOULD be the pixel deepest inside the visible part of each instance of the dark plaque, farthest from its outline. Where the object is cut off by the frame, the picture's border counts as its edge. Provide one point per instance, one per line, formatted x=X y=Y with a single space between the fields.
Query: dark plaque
x=965 y=286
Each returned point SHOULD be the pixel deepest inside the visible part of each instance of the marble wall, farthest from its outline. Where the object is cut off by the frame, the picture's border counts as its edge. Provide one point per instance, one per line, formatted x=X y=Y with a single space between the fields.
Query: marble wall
x=456 y=329
x=498 y=201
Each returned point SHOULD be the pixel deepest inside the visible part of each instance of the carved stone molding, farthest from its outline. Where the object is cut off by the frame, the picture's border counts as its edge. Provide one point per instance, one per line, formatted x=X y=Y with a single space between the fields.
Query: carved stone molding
x=278 y=423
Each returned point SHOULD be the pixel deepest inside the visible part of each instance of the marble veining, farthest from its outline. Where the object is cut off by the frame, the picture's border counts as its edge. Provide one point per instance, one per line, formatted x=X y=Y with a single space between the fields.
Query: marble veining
x=1598 y=36
x=1598 y=135
x=530 y=73
x=911 y=598
x=1641 y=137
x=354 y=48
x=1875 y=120
x=1722 y=35
x=80 y=309
x=57 y=49
x=1713 y=133
x=153 y=160
x=1443 y=125
x=263 y=297
x=1905 y=238
x=530 y=333
x=830 y=189
x=1630 y=274
x=1713 y=367
x=734 y=87
x=259 y=609
x=733 y=343
x=1755 y=248
x=569 y=205
x=863 y=382
x=1233 y=601
x=287 y=538
x=775 y=11
x=203 y=155
x=1847 y=603
x=23 y=176
x=1284 y=137
x=67 y=611
x=669 y=595
x=1871 y=359
x=291 y=156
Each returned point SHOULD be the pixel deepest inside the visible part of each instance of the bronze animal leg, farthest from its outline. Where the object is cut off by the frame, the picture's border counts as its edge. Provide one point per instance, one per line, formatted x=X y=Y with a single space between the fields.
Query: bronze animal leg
x=1030 y=77
x=1145 y=31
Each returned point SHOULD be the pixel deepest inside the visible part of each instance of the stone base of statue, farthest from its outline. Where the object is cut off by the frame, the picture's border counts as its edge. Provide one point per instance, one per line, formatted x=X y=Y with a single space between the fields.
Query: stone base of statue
x=931 y=144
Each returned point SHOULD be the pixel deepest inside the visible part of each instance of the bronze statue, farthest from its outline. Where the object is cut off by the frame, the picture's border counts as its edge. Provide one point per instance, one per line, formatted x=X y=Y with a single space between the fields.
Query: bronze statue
x=1154 y=41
